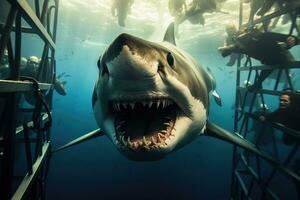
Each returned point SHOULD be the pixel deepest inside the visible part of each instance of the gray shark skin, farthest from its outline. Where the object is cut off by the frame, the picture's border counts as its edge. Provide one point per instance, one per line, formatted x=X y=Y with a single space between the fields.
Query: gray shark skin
x=150 y=98
x=157 y=91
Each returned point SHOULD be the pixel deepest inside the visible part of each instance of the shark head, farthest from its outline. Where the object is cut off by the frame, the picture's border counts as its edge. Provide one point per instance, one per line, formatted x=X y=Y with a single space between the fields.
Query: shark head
x=150 y=98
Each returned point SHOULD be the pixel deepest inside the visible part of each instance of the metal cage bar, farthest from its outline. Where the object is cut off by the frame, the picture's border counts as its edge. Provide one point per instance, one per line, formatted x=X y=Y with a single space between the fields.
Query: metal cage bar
x=241 y=165
x=32 y=185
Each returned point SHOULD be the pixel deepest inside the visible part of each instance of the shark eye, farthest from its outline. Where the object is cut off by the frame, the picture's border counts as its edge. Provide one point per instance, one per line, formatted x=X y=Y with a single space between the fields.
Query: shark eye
x=170 y=59
x=99 y=64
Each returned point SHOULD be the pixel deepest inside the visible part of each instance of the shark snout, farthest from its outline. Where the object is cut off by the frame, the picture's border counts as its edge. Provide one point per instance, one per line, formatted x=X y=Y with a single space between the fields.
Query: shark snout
x=131 y=58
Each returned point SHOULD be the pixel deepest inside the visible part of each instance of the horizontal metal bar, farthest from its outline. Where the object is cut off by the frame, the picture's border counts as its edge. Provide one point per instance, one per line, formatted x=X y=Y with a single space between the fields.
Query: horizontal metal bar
x=283 y=169
x=20 y=86
x=279 y=126
x=20 y=129
x=272 y=92
x=28 y=179
x=31 y=18
x=23 y=29
x=290 y=8
x=295 y=64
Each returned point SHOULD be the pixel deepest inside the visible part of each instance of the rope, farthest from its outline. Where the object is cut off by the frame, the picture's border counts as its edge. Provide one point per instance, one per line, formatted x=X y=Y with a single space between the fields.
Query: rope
x=40 y=103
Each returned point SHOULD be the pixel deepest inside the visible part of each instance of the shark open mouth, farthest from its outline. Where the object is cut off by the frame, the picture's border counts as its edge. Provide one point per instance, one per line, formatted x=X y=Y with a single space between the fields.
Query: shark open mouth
x=144 y=125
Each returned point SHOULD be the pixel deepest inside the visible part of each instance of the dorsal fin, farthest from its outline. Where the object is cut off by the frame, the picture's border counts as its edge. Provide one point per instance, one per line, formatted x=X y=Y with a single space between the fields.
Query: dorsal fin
x=169 y=35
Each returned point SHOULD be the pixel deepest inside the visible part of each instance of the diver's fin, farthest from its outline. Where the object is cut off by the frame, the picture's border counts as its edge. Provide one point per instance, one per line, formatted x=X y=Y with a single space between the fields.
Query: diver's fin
x=217 y=97
x=169 y=35
x=215 y=94
x=81 y=139
x=233 y=138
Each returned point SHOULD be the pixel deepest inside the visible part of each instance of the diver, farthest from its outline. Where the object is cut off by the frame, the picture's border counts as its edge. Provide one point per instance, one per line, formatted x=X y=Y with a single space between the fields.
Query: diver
x=4 y=66
x=261 y=7
x=263 y=133
x=287 y=114
x=120 y=9
x=177 y=7
x=32 y=70
x=245 y=101
x=268 y=47
x=268 y=4
x=255 y=5
x=196 y=9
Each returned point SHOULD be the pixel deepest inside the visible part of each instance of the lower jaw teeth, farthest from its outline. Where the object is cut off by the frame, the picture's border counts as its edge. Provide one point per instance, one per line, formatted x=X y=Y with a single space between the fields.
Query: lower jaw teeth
x=143 y=143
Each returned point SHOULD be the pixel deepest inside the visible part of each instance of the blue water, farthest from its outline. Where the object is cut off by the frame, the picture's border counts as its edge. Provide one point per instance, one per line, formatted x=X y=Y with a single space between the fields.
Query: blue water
x=95 y=169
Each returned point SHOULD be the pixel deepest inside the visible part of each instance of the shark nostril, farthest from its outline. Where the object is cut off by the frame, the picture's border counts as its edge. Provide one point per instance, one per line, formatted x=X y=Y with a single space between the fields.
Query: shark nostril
x=160 y=67
x=104 y=69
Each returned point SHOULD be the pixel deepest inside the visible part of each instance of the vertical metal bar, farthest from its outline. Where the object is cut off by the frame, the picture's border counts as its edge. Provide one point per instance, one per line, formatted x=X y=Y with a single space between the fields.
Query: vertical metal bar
x=41 y=69
x=44 y=12
x=294 y=20
x=55 y=20
x=15 y=72
x=27 y=149
x=278 y=79
x=274 y=145
x=250 y=187
x=289 y=79
x=287 y=160
x=7 y=29
x=37 y=8
x=8 y=147
x=49 y=12
x=9 y=111
x=11 y=59
x=38 y=143
x=236 y=105
x=258 y=167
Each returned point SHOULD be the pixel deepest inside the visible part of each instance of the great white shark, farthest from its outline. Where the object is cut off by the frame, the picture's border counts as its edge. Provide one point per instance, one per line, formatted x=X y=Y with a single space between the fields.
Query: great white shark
x=151 y=99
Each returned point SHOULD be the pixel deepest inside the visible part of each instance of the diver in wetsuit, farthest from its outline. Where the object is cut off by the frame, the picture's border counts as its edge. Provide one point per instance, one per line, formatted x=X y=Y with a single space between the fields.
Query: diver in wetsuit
x=4 y=67
x=262 y=133
x=246 y=101
x=287 y=114
x=177 y=7
x=196 y=9
x=268 y=47
x=31 y=70
x=120 y=9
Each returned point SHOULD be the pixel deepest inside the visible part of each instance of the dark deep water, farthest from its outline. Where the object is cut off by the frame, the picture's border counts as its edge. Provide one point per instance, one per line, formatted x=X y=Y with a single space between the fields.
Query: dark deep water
x=95 y=169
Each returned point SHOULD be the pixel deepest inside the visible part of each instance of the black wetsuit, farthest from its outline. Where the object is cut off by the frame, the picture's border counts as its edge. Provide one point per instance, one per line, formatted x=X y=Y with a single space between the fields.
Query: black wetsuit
x=289 y=117
x=264 y=47
x=263 y=134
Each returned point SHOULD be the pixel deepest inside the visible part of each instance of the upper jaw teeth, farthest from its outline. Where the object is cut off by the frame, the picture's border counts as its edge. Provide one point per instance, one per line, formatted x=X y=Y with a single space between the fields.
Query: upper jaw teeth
x=146 y=103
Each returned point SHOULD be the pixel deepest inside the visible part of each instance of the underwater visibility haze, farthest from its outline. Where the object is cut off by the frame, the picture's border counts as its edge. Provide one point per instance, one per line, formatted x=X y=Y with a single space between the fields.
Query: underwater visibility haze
x=150 y=79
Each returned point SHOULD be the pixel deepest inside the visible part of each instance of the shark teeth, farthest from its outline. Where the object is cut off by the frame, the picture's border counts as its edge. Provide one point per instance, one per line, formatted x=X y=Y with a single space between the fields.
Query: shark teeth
x=159 y=103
